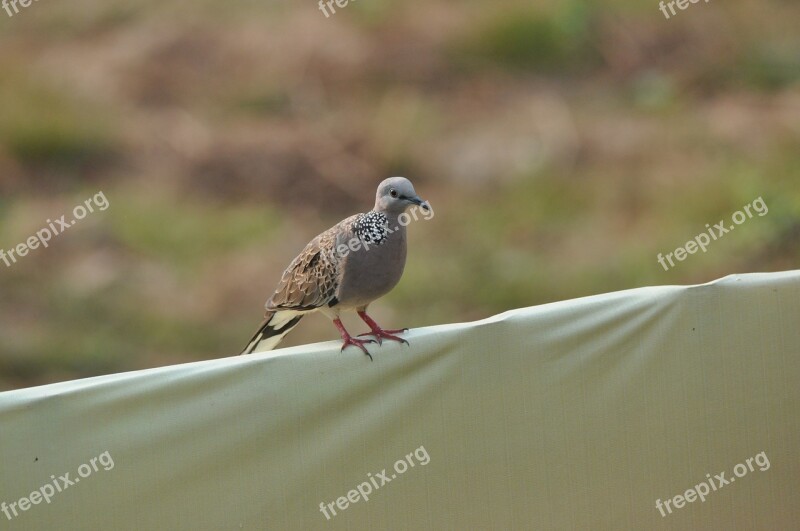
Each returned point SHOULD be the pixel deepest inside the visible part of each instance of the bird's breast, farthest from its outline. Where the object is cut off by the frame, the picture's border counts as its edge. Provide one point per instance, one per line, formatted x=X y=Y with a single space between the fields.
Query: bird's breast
x=372 y=270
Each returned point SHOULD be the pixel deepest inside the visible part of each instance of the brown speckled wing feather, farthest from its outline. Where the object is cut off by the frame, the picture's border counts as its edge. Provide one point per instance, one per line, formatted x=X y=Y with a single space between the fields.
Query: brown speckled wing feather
x=312 y=279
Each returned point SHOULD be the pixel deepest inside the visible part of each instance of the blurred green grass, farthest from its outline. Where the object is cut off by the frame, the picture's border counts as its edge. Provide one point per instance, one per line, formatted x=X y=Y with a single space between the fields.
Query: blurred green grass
x=182 y=234
x=40 y=124
x=559 y=39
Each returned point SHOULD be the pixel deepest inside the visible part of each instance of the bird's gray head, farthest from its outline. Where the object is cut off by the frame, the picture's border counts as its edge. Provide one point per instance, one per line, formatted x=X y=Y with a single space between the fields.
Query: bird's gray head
x=396 y=194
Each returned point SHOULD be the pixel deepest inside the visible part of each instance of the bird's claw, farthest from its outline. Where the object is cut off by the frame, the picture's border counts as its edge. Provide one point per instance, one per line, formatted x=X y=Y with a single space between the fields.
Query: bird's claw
x=397 y=331
x=358 y=343
x=380 y=334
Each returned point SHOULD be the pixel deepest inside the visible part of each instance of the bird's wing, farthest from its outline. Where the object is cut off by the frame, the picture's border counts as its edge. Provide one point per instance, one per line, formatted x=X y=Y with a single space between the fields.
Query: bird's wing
x=312 y=279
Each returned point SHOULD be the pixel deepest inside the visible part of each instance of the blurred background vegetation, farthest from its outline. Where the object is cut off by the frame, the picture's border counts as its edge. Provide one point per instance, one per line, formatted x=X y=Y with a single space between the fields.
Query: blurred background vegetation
x=562 y=144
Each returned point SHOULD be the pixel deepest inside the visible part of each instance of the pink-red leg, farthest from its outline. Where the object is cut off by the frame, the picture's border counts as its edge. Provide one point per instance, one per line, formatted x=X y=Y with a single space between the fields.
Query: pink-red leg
x=348 y=340
x=379 y=333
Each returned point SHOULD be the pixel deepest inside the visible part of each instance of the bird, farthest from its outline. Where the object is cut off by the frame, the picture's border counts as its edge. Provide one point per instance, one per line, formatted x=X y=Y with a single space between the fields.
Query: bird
x=345 y=268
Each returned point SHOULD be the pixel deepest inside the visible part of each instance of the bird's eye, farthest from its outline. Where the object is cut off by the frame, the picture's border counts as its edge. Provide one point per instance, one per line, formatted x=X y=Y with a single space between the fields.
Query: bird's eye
x=393 y=192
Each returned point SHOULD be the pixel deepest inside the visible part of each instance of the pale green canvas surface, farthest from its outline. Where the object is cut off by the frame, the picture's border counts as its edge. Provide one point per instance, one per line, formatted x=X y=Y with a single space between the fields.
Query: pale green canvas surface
x=574 y=415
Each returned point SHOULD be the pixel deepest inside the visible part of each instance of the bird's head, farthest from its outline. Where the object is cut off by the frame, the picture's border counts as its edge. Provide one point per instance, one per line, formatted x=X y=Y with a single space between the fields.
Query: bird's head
x=396 y=194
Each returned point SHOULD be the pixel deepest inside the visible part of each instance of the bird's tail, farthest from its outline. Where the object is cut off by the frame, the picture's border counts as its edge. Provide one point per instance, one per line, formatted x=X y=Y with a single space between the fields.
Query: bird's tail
x=272 y=331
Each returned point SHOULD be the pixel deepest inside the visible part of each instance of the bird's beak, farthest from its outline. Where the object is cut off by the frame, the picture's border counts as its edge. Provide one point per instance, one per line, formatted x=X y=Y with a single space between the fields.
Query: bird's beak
x=419 y=202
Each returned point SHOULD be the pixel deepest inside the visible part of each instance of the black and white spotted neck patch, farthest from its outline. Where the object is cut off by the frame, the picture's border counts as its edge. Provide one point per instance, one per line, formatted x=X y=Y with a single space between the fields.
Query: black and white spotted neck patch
x=372 y=228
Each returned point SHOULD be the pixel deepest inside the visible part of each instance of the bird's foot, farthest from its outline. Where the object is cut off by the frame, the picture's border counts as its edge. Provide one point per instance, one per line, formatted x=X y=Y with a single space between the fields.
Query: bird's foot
x=380 y=334
x=349 y=340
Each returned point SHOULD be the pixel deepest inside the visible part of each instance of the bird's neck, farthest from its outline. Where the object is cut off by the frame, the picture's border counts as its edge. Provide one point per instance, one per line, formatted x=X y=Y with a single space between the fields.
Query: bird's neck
x=392 y=216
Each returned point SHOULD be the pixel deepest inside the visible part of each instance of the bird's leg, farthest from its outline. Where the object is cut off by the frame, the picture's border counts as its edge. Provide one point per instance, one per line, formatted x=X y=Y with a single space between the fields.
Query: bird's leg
x=348 y=340
x=380 y=333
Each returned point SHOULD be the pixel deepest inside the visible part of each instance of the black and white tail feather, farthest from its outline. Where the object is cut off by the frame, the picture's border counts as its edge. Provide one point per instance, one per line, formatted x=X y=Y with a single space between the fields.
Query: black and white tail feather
x=272 y=331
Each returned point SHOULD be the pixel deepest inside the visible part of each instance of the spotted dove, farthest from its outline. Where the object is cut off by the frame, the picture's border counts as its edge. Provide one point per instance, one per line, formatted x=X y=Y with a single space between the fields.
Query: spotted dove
x=346 y=267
